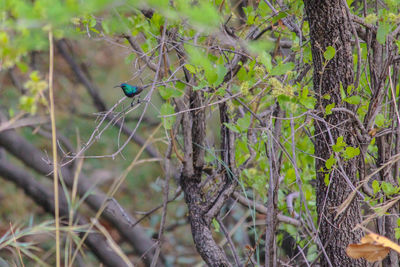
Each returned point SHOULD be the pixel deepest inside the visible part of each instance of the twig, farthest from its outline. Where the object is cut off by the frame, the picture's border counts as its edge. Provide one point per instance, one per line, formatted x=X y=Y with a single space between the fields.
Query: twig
x=263 y=210
x=148 y=213
x=167 y=175
x=140 y=53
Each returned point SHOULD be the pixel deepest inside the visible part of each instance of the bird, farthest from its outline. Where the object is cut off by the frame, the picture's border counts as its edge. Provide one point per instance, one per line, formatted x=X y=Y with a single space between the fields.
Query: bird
x=130 y=90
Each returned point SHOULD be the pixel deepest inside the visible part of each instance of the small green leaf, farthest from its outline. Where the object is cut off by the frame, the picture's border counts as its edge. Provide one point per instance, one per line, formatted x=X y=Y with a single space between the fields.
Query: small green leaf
x=388 y=188
x=380 y=120
x=354 y=100
x=190 y=68
x=350 y=88
x=397 y=233
x=308 y=102
x=167 y=109
x=327 y=179
x=211 y=75
x=216 y=225
x=376 y=187
x=232 y=127
x=327 y=97
x=221 y=72
x=244 y=123
x=168 y=92
x=329 y=53
x=340 y=144
x=351 y=152
x=265 y=59
x=330 y=162
x=342 y=93
x=328 y=108
x=282 y=68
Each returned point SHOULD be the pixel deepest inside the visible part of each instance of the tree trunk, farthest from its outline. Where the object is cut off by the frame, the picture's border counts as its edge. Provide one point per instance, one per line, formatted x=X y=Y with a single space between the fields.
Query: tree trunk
x=330 y=26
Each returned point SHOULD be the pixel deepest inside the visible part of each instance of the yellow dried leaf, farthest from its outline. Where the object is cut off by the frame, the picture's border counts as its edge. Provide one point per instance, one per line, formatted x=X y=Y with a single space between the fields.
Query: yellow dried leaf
x=383 y=241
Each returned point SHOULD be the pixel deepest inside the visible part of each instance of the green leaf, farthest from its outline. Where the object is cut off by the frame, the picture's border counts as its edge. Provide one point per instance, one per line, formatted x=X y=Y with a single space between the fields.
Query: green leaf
x=383 y=31
x=350 y=88
x=221 y=72
x=198 y=58
x=279 y=16
x=327 y=97
x=216 y=225
x=265 y=59
x=388 y=188
x=211 y=75
x=376 y=187
x=282 y=68
x=167 y=109
x=308 y=102
x=327 y=179
x=340 y=144
x=244 y=123
x=342 y=93
x=329 y=53
x=380 y=120
x=328 y=108
x=354 y=100
x=330 y=162
x=190 y=68
x=168 y=92
x=397 y=233
x=242 y=74
x=351 y=152
x=232 y=127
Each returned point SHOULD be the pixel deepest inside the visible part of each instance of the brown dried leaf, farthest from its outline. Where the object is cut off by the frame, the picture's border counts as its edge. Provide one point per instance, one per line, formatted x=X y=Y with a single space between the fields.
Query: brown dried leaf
x=373 y=247
x=370 y=252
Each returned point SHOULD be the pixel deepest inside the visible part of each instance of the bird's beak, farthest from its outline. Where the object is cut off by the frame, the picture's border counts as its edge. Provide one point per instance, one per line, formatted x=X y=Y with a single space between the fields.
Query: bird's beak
x=116 y=86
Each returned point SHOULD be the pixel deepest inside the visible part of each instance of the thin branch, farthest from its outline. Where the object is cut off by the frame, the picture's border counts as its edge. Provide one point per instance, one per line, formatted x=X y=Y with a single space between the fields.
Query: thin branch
x=260 y=208
x=142 y=55
x=230 y=242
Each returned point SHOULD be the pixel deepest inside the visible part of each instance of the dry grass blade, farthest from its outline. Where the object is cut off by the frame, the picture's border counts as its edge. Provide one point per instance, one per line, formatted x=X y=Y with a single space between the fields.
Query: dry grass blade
x=112 y=243
x=54 y=148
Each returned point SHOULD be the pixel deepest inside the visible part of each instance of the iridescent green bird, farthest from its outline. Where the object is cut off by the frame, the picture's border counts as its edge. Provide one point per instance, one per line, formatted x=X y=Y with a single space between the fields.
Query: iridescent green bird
x=130 y=90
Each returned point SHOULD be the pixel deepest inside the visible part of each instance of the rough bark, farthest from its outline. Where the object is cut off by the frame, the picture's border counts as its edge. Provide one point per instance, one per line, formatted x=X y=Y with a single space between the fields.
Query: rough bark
x=193 y=127
x=329 y=26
